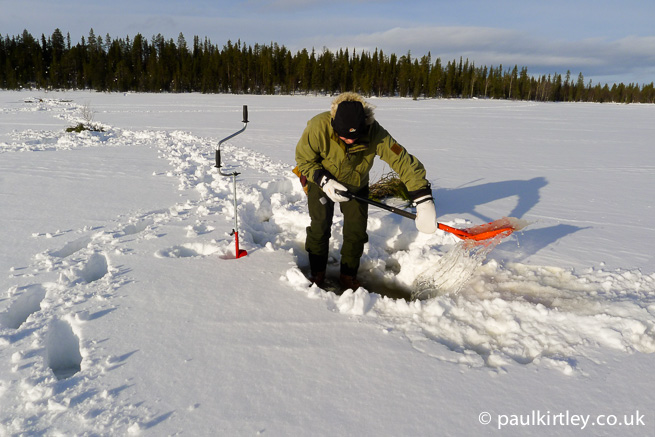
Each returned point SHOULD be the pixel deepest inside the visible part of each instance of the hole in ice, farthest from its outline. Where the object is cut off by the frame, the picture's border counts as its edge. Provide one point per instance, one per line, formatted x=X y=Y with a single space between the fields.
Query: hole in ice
x=453 y=270
x=371 y=282
x=385 y=288
x=63 y=350
x=24 y=306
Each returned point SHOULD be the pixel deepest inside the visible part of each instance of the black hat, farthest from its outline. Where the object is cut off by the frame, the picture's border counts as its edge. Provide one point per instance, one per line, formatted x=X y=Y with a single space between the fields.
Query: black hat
x=349 y=120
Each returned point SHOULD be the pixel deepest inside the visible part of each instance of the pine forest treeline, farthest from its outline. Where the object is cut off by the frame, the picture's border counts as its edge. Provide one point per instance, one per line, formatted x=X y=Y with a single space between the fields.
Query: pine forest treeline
x=161 y=65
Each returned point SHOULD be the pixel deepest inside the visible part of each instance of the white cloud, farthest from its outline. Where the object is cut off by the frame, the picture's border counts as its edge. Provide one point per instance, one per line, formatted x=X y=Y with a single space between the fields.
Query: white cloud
x=596 y=57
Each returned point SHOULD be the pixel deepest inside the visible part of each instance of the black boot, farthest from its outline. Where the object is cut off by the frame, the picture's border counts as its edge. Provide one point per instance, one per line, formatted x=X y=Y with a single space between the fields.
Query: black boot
x=317 y=266
x=349 y=282
x=317 y=278
x=348 y=277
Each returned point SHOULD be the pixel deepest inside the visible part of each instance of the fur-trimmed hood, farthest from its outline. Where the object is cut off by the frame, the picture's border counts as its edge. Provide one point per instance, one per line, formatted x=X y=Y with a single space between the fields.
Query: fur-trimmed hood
x=353 y=97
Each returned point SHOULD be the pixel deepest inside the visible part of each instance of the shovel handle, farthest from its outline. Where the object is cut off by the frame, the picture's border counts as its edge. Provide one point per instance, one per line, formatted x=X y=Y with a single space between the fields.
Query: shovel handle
x=398 y=211
x=478 y=233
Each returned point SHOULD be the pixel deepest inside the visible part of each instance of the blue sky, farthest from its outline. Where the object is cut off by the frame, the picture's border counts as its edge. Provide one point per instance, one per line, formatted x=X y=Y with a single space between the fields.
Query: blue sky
x=608 y=41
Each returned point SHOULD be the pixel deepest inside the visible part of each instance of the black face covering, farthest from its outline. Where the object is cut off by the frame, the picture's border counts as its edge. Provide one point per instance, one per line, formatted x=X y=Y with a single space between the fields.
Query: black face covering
x=350 y=120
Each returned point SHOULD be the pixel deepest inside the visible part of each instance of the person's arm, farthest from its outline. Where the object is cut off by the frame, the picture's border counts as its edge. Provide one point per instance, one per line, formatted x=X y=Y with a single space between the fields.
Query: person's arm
x=411 y=173
x=409 y=169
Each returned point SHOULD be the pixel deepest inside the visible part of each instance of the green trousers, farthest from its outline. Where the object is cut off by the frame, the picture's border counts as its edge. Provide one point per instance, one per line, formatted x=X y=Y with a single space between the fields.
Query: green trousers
x=355 y=218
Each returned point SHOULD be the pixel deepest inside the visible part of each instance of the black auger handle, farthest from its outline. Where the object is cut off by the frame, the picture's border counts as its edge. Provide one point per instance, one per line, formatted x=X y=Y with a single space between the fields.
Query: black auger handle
x=218 y=149
x=218 y=158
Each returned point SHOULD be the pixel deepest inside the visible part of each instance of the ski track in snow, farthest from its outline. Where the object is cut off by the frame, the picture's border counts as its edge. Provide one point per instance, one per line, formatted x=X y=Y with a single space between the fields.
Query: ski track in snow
x=500 y=315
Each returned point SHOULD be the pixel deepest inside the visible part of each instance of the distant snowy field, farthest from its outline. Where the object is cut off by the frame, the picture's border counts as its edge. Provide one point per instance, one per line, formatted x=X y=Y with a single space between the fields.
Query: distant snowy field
x=122 y=314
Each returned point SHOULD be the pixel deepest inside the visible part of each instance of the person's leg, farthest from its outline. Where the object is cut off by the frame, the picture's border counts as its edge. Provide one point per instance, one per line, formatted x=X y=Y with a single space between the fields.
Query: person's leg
x=317 y=243
x=355 y=218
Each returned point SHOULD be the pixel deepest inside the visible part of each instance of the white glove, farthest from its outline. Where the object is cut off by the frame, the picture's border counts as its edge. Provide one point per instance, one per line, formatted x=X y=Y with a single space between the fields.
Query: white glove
x=330 y=187
x=426 y=215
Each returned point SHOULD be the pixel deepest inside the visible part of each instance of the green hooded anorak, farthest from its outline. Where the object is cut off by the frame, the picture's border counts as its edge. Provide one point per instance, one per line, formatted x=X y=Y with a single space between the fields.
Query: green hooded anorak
x=320 y=148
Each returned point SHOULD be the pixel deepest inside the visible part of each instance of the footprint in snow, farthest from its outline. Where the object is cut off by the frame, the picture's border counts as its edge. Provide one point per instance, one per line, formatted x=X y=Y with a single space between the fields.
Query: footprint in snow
x=62 y=352
x=188 y=250
x=136 y=228
x=63 y=355
x=72 y=246
x=91 y=270
x=198 y=229
x=26 y=304
x=95 y=268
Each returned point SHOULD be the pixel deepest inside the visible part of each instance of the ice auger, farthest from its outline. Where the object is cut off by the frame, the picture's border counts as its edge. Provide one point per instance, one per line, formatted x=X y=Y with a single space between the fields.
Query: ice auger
x=237 y=252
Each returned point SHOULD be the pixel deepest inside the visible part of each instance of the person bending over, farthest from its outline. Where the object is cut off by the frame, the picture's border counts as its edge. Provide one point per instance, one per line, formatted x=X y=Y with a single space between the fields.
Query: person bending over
x=336 y=153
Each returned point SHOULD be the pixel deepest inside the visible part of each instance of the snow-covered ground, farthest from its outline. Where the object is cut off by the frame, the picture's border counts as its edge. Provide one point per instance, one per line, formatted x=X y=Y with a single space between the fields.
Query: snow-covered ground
x=122 y=313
